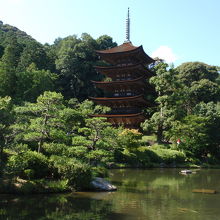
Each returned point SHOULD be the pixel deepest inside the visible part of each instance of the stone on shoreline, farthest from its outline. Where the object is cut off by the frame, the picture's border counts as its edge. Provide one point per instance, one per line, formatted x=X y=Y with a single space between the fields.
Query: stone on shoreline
x=100 y=184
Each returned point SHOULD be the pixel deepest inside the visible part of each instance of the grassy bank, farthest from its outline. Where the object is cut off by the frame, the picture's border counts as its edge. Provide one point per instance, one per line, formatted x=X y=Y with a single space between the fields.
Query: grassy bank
x=21 y=186
x=150 y=154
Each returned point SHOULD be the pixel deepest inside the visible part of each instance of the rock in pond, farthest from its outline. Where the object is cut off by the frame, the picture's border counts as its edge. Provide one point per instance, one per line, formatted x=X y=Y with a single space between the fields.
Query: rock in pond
x=100 y=184
x=186 y=171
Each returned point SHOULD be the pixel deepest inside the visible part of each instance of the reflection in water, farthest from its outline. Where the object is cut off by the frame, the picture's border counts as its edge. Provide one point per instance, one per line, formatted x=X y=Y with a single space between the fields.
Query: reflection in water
x=54 y=207
x=160 y=194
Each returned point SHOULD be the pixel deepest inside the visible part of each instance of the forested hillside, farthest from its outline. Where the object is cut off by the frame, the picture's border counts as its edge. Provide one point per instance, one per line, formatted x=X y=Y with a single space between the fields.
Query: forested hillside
x=28 y=68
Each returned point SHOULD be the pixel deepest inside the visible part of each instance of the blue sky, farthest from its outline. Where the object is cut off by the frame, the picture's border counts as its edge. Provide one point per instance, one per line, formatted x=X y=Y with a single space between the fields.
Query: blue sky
x=177 y=30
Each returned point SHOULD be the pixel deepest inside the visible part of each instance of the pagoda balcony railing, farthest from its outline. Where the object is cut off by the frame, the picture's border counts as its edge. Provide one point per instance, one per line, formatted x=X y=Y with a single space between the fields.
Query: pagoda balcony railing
x=123 y=94
x=124 y=78
x=125 y=63
x=125 y=111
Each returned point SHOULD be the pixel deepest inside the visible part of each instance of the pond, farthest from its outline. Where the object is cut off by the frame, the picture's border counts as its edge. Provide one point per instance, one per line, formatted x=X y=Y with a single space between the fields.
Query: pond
x=151 y=194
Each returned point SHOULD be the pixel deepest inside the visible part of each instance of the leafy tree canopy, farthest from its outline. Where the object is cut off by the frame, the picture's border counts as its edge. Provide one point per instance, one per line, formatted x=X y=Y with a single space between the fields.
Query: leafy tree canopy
x=195 y=71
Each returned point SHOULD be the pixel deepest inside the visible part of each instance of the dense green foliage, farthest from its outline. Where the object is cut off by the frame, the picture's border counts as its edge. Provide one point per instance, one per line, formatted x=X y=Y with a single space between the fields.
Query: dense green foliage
x=188 y=109
x=46 y=128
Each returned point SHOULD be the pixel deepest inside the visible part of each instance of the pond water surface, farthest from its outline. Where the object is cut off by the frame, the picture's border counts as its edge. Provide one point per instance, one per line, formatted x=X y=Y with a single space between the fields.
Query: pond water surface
x=151 y=194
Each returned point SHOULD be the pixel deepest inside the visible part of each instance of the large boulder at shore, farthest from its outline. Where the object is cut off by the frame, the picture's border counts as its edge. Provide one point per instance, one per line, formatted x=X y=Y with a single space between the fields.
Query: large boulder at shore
x=100 y=184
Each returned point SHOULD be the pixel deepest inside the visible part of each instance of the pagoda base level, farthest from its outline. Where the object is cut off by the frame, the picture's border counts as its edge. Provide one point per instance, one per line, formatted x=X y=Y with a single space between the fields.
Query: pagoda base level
x=131 y=121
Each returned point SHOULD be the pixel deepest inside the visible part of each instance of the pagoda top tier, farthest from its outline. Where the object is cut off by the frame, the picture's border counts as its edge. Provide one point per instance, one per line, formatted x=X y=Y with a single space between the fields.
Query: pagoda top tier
x=125 y=47
x=125 y=52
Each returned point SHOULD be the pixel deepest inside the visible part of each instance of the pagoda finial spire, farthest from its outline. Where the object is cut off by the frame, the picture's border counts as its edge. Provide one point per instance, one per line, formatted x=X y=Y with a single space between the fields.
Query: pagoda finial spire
x=127 y=40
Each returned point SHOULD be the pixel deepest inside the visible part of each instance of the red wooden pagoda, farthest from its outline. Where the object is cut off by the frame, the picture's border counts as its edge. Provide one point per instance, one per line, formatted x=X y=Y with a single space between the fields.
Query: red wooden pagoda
x=126 y=91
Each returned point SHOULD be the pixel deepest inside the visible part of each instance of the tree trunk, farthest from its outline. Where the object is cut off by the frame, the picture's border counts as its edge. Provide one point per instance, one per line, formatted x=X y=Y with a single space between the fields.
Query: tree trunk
x=39 y=146
x=1 y=160
x=159 y=133
x=40 y=143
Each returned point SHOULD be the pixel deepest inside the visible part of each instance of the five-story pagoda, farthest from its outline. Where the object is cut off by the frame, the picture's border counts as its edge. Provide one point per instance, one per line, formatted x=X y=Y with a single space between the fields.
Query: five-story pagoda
x=128 y=87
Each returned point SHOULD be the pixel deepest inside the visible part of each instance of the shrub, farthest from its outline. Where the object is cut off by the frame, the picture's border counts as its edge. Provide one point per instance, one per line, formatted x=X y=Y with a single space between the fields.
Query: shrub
x=100 y=157
x=169 y=156
x=147 y=156
x=29 y=173
x=149 y=140
x=130 y=139
x=55 y=148
x=29 y=165
x=77 y=173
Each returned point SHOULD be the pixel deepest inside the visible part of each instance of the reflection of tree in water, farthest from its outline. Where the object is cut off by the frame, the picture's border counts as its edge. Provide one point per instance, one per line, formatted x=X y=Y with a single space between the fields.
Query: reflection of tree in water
x=53 y=207
x=158 y=193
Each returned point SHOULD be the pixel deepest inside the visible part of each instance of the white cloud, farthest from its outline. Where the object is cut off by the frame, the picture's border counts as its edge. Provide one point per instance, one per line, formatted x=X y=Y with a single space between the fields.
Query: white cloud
x=165 y=53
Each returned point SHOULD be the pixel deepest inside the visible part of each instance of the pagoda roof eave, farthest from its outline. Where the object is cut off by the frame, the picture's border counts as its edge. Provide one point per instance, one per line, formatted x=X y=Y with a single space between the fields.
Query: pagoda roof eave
x=125 y=48
x=118 y=115
x=116 y=98
x=128 y=120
